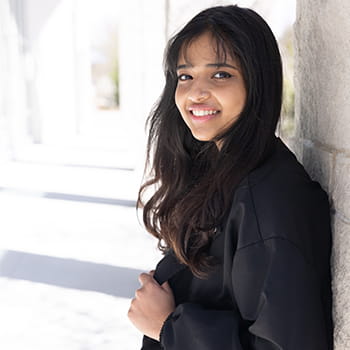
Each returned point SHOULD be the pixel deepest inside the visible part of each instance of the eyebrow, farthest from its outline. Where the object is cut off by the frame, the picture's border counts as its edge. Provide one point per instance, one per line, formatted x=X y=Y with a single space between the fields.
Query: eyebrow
x=217 y=65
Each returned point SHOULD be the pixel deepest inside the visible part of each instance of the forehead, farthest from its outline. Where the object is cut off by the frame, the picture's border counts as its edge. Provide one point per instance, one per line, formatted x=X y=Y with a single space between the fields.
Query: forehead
x=206 y=47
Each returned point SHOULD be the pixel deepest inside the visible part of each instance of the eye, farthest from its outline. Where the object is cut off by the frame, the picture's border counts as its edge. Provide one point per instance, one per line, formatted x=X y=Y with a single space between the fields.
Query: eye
x=222 y=75
x=184 y=77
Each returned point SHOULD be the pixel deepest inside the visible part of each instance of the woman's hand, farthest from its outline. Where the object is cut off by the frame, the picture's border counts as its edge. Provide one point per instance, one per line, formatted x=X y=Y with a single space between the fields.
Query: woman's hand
x=151 y=306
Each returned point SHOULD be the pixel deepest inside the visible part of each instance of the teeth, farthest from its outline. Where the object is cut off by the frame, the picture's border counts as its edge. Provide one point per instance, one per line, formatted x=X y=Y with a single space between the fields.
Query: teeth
x=202 y=113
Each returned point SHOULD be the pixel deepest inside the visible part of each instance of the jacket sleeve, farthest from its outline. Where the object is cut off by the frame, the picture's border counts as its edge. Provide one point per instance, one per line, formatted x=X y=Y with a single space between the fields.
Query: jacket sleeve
x=192 y=327
x=278 y=300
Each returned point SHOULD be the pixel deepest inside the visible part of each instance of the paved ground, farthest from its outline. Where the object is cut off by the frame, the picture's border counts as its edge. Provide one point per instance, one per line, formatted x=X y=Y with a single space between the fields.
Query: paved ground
x=70 y=252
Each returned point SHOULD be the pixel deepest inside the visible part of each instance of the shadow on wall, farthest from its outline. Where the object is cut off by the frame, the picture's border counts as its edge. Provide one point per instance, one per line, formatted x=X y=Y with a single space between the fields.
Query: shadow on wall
x=68 y=273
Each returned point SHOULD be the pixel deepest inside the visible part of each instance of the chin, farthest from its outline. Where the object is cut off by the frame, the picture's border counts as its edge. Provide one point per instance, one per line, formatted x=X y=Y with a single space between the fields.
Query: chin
x=201 y=137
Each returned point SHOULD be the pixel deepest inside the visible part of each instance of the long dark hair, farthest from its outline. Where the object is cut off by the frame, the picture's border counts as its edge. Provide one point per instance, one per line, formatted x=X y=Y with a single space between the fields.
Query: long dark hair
x=193 y=182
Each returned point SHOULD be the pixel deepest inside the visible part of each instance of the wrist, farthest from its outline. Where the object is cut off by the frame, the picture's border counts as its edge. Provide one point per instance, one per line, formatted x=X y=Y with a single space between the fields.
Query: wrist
x=161 y=333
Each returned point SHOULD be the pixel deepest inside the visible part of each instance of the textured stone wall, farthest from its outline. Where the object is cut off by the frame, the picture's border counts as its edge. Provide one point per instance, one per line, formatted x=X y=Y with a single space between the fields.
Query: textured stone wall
x=322 y=139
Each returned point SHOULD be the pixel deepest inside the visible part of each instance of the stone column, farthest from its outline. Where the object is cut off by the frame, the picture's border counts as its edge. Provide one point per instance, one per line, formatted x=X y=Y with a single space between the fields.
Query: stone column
x=322 y=140
x=12 y=82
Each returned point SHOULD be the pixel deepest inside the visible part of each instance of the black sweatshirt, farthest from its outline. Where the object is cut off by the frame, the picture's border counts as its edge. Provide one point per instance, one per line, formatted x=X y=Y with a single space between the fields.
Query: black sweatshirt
x=272 y=287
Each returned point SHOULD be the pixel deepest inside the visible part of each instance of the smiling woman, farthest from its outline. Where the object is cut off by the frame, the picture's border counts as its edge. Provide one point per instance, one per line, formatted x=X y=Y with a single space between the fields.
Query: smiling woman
x=244 y=229
x=210 y=94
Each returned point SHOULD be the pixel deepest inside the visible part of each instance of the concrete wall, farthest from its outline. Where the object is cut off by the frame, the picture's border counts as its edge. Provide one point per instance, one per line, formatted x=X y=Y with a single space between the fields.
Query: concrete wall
x=322 y=140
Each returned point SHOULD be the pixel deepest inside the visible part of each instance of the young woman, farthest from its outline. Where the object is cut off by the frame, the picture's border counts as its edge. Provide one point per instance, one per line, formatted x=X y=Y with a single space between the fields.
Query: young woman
x=245 y=231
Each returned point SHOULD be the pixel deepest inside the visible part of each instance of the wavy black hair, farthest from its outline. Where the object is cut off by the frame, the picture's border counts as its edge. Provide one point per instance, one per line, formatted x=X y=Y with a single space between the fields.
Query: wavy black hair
x=193 y=181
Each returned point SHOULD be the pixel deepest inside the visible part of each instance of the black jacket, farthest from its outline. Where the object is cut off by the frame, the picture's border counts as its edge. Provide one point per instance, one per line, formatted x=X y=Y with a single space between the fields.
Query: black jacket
x=272 y=289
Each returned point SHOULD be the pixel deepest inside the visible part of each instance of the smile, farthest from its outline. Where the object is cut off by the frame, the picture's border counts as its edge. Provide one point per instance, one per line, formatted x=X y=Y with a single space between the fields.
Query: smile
x=202 y=113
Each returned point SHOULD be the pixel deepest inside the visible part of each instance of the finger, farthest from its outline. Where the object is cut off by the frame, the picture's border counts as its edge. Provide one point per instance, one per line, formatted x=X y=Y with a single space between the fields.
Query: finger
x=145 y=277
x=138 y=293
x=152 y=272
x=133 y=303
x=166 y=287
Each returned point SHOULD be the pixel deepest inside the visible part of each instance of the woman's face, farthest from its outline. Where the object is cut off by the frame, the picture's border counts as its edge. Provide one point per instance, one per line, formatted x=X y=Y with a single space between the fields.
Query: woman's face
x=210 y=95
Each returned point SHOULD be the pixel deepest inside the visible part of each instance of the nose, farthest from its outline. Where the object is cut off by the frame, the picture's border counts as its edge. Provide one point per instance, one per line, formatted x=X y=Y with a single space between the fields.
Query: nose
x=198 y=93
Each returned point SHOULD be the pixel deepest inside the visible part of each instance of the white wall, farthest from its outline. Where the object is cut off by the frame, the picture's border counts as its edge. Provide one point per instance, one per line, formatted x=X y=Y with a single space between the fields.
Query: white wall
x=323 y=129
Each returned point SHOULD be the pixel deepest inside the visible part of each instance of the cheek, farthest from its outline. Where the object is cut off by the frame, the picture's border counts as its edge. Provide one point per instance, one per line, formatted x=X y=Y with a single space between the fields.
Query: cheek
x=238 y=100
